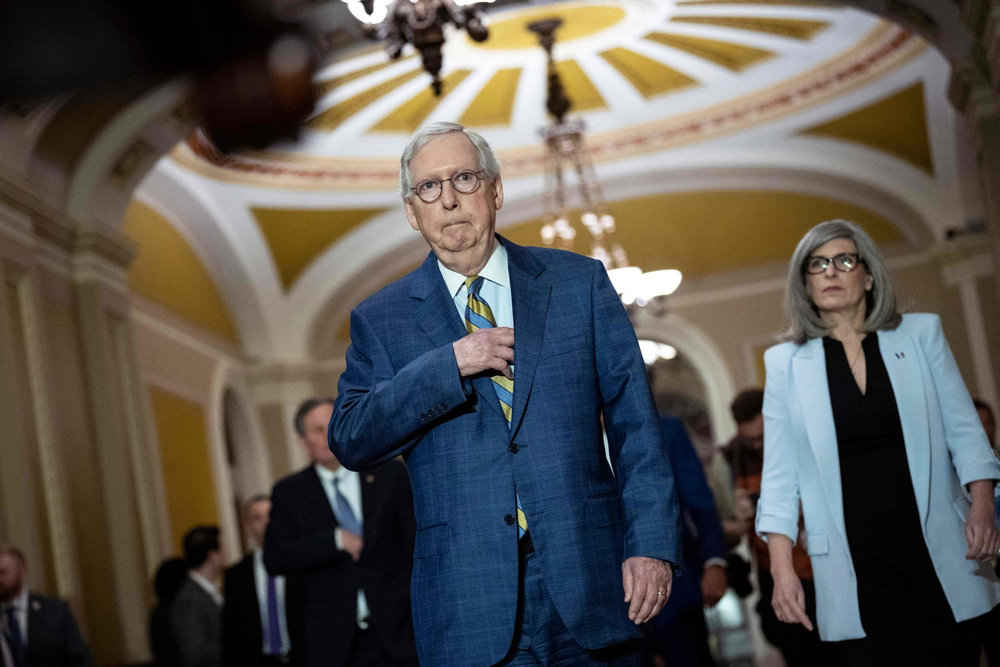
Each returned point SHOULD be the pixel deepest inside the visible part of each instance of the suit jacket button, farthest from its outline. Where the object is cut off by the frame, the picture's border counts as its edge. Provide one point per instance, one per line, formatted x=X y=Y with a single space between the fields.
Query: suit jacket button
x=509 y=519
x=513 y=448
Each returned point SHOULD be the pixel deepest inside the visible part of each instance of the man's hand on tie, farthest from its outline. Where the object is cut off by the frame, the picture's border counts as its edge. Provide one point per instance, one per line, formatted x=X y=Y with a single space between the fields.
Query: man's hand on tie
x=647 y=584
x=490 y=349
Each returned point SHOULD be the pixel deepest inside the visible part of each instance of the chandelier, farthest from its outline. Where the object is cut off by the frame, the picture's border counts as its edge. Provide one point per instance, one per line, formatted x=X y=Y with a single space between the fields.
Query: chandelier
x=420 y=23
x=567 y=153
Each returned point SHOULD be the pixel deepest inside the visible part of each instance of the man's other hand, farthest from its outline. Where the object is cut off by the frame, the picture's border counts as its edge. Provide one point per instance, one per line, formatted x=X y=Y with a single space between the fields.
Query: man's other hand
x=353 y=543
x=713 y=584
x=486 y=350
x=647 y=584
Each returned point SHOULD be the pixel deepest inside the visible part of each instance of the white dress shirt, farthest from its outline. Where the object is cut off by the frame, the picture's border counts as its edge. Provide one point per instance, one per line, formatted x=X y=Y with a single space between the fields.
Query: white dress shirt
x=260 y=584
x=20 y=603
x=495 y=290
x=207 y=585
x=349 y=483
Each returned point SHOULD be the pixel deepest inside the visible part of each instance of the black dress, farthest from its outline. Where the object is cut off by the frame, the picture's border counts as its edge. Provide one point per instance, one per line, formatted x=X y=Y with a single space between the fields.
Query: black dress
x=904 y=610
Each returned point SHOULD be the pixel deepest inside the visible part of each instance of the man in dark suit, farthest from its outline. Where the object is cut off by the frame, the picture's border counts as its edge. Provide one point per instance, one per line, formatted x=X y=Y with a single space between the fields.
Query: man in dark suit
x=262 y=618
x=679 y=635
x=349 y=536
x=195 y=615
x=489 y=368
x=35 y=630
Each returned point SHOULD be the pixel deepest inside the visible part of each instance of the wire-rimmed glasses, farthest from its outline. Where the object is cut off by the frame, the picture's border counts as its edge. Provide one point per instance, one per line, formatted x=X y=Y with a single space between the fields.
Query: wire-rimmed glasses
x=429 y=190
x=845 y=262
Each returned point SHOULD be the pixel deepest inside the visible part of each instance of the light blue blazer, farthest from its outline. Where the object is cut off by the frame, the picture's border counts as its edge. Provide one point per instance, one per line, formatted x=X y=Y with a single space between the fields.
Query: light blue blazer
x=946 y=448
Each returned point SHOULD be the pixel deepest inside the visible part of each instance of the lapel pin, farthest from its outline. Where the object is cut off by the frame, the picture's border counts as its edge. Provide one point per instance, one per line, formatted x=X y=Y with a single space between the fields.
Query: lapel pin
x=370 y=478
x=36 y=605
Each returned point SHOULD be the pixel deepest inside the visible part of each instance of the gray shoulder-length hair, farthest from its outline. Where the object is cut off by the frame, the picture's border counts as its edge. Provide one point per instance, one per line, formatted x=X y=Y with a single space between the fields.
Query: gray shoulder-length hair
x=804 y=321
x=487 y=161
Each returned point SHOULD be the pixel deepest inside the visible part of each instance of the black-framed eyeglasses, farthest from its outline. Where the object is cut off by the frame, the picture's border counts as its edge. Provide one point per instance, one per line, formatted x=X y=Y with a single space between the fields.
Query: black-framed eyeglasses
x=429 y=190
x=845 y=262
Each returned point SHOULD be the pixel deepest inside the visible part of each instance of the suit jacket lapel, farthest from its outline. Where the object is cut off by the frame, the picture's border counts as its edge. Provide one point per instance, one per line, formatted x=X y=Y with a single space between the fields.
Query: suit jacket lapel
x=437 y=316
x=531 y=301
x=318 y=498
x=811 y=385
x=899 y=353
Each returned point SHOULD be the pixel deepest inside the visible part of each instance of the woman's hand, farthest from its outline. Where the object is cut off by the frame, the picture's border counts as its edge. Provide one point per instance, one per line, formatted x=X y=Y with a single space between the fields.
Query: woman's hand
x=980 y=526
x=789 y=600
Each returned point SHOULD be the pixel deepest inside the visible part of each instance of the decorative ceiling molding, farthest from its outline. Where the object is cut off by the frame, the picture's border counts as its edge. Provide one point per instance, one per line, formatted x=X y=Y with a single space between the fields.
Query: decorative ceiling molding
x=884 y=49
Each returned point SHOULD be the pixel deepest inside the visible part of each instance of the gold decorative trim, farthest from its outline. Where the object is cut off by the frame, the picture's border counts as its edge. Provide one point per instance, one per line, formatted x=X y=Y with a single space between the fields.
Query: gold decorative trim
x=736 y=57
x=329 y=120
x=794 y=28
x=409 y=116
x=494 y=105
x=649 y=77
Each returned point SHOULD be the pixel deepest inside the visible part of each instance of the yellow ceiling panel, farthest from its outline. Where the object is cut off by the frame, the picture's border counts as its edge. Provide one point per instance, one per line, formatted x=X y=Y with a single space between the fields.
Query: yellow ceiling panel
x=494 y=105
x=296 y=237
x=409 y=116
x=169 y=273
x=579 y=88
x=896 y=125
x=329 y=120
x=578 y=21
x=794 y=28
x=793 y=3
x=702 y=233
x=648 y=76
x=736 y=57
x=324 y=87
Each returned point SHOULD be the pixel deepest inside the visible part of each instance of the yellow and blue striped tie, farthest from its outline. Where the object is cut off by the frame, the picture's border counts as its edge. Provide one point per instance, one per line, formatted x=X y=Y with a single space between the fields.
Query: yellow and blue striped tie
x=478 y=315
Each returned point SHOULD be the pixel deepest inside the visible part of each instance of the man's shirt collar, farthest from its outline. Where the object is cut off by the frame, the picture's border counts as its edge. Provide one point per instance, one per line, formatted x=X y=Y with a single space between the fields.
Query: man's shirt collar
x=495 y=271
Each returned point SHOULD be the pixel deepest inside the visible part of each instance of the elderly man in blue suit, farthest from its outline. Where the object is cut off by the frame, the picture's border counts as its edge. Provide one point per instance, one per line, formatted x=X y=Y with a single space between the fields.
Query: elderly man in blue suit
x=488 y=369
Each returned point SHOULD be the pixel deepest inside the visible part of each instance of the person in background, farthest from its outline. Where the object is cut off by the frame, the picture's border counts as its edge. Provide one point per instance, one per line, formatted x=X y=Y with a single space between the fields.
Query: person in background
x=171 y=573
x=798 y=646
x=35 y=630
x=195 y=615
x=349 y=537
x=262 y=618
x=868 y=423
x=678 y=636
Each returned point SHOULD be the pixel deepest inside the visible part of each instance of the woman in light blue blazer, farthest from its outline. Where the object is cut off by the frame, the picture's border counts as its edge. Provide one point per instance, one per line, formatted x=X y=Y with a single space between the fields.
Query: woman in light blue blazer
x=868 y=425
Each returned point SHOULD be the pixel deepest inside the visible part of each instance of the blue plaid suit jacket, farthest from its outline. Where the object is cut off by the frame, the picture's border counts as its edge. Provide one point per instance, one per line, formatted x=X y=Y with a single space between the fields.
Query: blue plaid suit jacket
x=576 y=357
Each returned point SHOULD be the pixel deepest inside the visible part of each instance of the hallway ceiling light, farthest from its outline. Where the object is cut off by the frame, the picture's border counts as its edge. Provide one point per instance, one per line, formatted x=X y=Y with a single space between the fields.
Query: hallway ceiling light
x=420 y=23
x=567 y=152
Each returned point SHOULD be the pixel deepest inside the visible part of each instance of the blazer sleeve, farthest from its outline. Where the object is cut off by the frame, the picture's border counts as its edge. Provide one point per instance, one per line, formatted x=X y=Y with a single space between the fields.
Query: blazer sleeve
x=778 y=507
x=379 y=412
x=635 y=442
x=970 y=450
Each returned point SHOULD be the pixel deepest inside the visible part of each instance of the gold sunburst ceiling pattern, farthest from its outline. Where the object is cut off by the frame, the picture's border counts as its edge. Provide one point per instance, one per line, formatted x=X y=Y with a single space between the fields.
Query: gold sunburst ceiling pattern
x=646 y=75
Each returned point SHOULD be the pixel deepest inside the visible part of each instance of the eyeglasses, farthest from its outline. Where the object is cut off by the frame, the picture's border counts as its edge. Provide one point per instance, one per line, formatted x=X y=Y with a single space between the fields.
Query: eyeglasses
x=845 y=262
x=429 y=190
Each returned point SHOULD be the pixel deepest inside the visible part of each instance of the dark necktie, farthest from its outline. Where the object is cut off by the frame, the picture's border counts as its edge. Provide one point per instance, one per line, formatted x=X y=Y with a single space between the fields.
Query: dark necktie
x=15 y=640
x=479 y=315
x=273 y=624
x=348 y=519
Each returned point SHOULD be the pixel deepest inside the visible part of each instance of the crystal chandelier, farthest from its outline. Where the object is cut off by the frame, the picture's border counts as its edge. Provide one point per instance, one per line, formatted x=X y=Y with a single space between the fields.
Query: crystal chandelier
x=420 y=23
x=567 y=152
